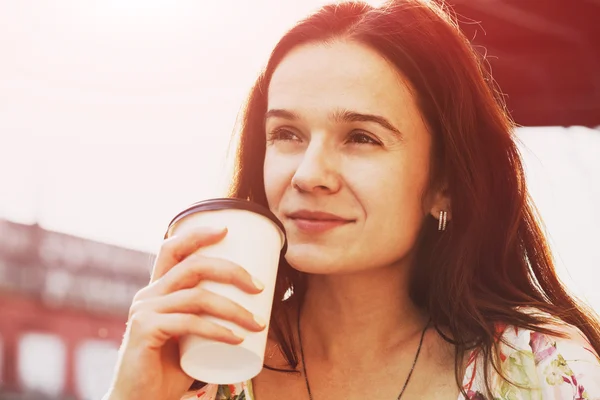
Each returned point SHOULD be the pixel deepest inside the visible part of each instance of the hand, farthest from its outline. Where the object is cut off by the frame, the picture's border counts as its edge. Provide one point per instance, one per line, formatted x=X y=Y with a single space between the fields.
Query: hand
x=173 y=305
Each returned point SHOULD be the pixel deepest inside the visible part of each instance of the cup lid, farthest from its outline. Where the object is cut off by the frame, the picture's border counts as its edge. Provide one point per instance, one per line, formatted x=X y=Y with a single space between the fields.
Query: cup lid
x=228 y=204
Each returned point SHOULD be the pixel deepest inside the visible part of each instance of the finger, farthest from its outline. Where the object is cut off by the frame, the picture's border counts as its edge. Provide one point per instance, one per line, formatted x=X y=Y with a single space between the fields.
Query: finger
x=197 y=268
x=204 y=302
x=179 y=246
x=155 y=329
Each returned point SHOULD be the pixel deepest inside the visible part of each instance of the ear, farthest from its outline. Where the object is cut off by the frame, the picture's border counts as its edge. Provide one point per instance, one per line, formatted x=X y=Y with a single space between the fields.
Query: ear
x=441 y=202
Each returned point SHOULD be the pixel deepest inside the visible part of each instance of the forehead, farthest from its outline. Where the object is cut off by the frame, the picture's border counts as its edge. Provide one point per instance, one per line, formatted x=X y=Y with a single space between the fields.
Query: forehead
x=342 y=74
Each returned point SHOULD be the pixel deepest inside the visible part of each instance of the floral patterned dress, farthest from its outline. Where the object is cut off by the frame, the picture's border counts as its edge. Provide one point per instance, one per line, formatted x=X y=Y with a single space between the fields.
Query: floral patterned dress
x=546 y=367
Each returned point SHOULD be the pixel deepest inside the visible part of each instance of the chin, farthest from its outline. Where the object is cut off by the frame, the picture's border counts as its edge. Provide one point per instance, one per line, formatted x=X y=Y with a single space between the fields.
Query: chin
x=312 y=262
x=303 y=258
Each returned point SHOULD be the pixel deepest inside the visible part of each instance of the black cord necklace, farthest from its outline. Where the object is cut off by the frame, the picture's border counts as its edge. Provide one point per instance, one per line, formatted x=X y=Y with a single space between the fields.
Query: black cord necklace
x=405 y=382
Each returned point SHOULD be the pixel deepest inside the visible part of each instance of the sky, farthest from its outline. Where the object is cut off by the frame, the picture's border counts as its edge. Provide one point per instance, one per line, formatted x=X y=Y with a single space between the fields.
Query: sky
x=115 y=114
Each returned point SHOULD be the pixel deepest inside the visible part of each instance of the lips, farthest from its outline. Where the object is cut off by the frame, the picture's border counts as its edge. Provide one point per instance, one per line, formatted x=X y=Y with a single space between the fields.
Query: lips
x=316 y=216
x=317 y=221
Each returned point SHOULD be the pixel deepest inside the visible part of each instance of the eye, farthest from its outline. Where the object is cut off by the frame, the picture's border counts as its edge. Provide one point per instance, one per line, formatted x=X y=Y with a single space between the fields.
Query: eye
x=282 y=134
x=360 y=137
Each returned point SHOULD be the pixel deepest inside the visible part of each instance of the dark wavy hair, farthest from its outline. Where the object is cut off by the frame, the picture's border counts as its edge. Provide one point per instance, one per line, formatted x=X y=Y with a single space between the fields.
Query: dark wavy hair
x=493 y=258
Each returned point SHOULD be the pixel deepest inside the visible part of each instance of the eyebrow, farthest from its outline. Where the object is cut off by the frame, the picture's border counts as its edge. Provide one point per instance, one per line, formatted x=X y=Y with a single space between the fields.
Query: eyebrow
x=285 y=114
x=339 y=116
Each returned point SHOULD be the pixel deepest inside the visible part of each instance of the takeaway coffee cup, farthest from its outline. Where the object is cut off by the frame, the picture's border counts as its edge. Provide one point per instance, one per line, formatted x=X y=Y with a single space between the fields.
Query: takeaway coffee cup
x=256 y=241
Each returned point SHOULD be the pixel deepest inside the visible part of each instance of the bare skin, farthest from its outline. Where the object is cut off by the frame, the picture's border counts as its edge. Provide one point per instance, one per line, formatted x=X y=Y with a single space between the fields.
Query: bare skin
x=172 y=306
x=364 y=369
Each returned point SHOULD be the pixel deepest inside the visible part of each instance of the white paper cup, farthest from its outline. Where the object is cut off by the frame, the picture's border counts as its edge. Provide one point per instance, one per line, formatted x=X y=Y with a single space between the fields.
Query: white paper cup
x=256 y=241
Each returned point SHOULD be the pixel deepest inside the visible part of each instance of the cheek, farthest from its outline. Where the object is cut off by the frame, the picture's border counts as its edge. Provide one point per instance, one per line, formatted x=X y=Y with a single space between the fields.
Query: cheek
x=394 y=212
x=277 y=172
x=392 y=189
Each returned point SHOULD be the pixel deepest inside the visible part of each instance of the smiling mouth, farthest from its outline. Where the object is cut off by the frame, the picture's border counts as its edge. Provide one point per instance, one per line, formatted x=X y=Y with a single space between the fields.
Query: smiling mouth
x=317 y=222
x=317 y=225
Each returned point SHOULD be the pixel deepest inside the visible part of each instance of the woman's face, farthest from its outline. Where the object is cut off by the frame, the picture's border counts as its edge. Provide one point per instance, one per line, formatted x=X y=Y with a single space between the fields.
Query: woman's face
x=347 y=159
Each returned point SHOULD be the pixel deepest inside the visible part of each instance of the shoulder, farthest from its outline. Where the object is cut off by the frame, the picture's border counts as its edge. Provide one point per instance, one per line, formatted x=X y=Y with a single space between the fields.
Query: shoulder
x=558 y=366
x=566 y=340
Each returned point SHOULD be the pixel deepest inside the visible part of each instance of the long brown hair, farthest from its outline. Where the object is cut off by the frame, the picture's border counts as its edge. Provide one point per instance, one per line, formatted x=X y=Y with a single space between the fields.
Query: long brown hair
x=493 y=257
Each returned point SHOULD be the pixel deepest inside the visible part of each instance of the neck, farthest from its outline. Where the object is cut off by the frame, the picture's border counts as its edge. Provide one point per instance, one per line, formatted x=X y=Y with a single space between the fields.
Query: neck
x=348 y=316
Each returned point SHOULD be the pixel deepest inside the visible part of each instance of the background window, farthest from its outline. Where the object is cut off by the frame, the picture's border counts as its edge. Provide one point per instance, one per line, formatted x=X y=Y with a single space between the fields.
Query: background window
x=94 y=365
x=41 y=363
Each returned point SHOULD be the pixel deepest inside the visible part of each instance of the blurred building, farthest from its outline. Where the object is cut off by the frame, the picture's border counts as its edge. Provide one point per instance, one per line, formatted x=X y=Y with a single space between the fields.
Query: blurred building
x=63 y=308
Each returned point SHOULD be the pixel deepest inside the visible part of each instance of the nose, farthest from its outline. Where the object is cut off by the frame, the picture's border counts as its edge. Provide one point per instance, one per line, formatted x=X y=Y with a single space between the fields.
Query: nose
x=318 y=171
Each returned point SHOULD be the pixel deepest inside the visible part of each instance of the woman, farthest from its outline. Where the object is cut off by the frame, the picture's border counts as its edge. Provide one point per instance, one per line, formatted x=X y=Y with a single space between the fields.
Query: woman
x=416 y=265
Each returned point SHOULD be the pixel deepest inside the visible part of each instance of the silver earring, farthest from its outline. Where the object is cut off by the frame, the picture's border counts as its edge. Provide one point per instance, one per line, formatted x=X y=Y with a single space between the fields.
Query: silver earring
x=443 y=221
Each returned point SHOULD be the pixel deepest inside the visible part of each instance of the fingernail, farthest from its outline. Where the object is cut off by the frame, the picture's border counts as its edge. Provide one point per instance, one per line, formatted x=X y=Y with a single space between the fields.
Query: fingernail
x=259 y=285
x=259 y=321
x=217 y=229
x=239 y=335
